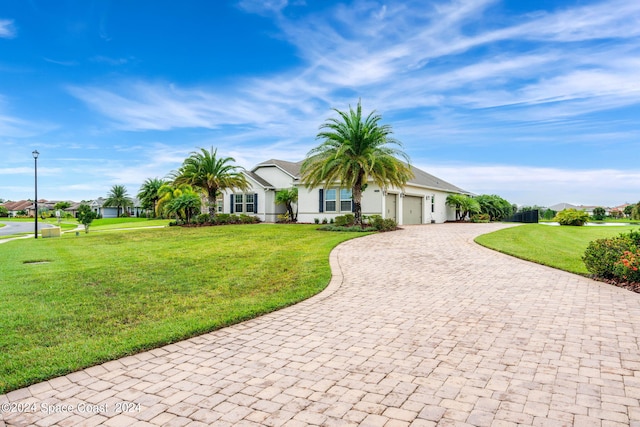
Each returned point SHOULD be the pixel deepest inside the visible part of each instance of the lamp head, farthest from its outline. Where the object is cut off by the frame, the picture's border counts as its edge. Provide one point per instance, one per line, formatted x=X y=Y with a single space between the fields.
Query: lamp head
x=35 y=154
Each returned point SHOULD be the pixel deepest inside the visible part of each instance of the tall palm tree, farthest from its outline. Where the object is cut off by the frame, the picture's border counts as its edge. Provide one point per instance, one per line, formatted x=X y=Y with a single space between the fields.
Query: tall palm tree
x=353 y=151
x=148 y=193
x=118 y=197
x=212 y=175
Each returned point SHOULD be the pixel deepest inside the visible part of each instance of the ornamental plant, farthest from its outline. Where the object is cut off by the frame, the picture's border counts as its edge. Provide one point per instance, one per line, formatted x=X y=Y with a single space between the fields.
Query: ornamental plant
x=629 y=266
x=572 y=217
x=602 y=255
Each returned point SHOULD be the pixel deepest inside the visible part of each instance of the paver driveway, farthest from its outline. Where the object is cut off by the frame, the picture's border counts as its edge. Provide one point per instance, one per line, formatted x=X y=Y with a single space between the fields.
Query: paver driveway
x=419 y=327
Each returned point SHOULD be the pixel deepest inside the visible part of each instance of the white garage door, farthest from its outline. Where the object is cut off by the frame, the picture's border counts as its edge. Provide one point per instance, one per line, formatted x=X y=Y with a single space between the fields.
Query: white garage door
x=411 y=210
x=390 y=206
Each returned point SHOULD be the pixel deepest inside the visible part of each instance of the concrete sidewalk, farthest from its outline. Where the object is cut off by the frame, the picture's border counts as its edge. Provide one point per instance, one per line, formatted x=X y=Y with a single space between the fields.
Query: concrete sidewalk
x=418 y=327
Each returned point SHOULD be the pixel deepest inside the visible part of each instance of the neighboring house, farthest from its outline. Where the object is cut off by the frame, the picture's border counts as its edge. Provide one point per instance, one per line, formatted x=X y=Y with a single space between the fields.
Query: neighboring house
x=19 y=206
x=97 y=206
x=421 y=201
x=43 y=205
x=103 y=211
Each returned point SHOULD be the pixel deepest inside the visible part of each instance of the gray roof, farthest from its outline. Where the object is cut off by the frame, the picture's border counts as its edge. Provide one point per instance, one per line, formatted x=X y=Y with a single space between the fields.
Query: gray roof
x=258 y=179
x=421 y=178
x=424 y=179
x=291 y=168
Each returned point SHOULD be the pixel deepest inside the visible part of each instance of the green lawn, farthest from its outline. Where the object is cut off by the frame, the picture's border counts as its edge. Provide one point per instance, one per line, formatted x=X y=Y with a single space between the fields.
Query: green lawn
x=560 y=247
x=72 y=302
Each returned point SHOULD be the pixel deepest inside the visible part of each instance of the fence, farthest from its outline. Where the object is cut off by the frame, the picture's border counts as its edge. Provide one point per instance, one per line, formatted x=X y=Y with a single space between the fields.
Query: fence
x=528 y=217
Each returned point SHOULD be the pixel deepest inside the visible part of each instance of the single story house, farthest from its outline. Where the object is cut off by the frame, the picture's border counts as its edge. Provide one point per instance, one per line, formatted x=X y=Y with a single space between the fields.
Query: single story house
x=102 y=211
x=20 y=206
x=421 y=201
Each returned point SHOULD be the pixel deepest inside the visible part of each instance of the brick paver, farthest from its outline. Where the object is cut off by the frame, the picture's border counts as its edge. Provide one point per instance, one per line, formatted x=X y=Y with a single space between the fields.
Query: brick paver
x=418 y=327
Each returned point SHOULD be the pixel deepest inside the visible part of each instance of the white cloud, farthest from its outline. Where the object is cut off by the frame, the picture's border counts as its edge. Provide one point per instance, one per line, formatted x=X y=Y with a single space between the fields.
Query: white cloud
x=263 y=7
x=541 y=185
x=7 y=29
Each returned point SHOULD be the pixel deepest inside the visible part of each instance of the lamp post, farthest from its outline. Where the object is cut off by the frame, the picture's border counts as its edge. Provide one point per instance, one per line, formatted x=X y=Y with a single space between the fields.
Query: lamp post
x=35 y=159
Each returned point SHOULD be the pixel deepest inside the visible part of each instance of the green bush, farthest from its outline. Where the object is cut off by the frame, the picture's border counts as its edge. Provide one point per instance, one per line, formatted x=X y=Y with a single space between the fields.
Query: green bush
x=572 y=217
x=480 y=218
x=356 y=228
x=248 y=219
x=380 y=224
x=203 y=218
x=345 y=220
x=602 y=255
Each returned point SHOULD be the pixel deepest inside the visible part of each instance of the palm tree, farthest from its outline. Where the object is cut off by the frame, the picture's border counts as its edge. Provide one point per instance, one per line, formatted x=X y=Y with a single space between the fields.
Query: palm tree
x=288 y=197
x=185 y=206
x=118 y=197
x=212 y=175
x=166 y=194
x=354 y=151
x=464 y=205
x=148 y=193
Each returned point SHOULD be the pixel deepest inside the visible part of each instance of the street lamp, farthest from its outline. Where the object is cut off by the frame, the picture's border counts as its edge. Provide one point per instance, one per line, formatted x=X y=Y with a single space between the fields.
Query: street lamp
x=35 y=159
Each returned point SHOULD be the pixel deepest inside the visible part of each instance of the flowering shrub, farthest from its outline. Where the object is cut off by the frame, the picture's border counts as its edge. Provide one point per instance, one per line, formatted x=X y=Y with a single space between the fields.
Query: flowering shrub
x=629 y=266
x=601 y=255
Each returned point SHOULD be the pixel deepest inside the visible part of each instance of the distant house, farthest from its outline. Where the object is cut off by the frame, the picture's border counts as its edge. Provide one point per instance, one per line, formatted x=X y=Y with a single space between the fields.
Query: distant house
x=103 y=211
x=20 y=206
x=586 y=208
x=421 y=201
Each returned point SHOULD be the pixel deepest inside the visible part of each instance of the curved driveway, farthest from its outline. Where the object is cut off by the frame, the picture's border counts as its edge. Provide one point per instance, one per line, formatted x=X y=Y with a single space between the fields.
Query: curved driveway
x=418 y=327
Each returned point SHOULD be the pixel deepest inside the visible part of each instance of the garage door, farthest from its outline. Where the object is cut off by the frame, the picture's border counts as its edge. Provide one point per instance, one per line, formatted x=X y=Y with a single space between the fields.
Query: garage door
x=411 y=210
x=390 y=206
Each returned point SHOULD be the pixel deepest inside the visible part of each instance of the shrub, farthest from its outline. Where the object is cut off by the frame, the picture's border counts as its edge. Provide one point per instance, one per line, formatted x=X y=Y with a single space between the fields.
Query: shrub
x=357 y=228
x=572 y=217
x=324 y=220
x=222 y=219
x=380 y=224
x=345 y=220
x=316 y=220
x=602 y=255
x=480 y=218
x=203 y=218
x=628 y=267
x=248 y=219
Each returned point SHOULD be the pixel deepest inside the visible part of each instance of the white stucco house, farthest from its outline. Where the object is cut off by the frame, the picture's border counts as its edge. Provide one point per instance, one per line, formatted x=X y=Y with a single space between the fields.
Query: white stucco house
x=421 y=201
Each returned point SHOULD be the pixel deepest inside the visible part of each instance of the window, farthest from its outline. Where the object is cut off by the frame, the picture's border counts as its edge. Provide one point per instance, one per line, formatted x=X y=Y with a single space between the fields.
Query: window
x=239 y=205
x=345 y=201
x=244 y=203
x=248 y=200
x=219 y=206
x=330 y=200
x=433 y=203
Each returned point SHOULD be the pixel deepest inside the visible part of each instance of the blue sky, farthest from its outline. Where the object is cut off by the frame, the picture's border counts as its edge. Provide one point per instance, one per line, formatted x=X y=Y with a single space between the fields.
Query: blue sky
x=536 y=101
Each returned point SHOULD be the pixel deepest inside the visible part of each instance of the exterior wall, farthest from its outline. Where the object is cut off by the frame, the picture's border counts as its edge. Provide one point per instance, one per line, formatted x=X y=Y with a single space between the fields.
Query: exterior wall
x=275 y=176
x=374 y=203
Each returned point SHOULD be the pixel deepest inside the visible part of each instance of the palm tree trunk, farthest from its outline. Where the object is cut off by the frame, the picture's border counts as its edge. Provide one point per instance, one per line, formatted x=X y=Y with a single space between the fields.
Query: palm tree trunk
x=357 y=204
x=212 y=203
